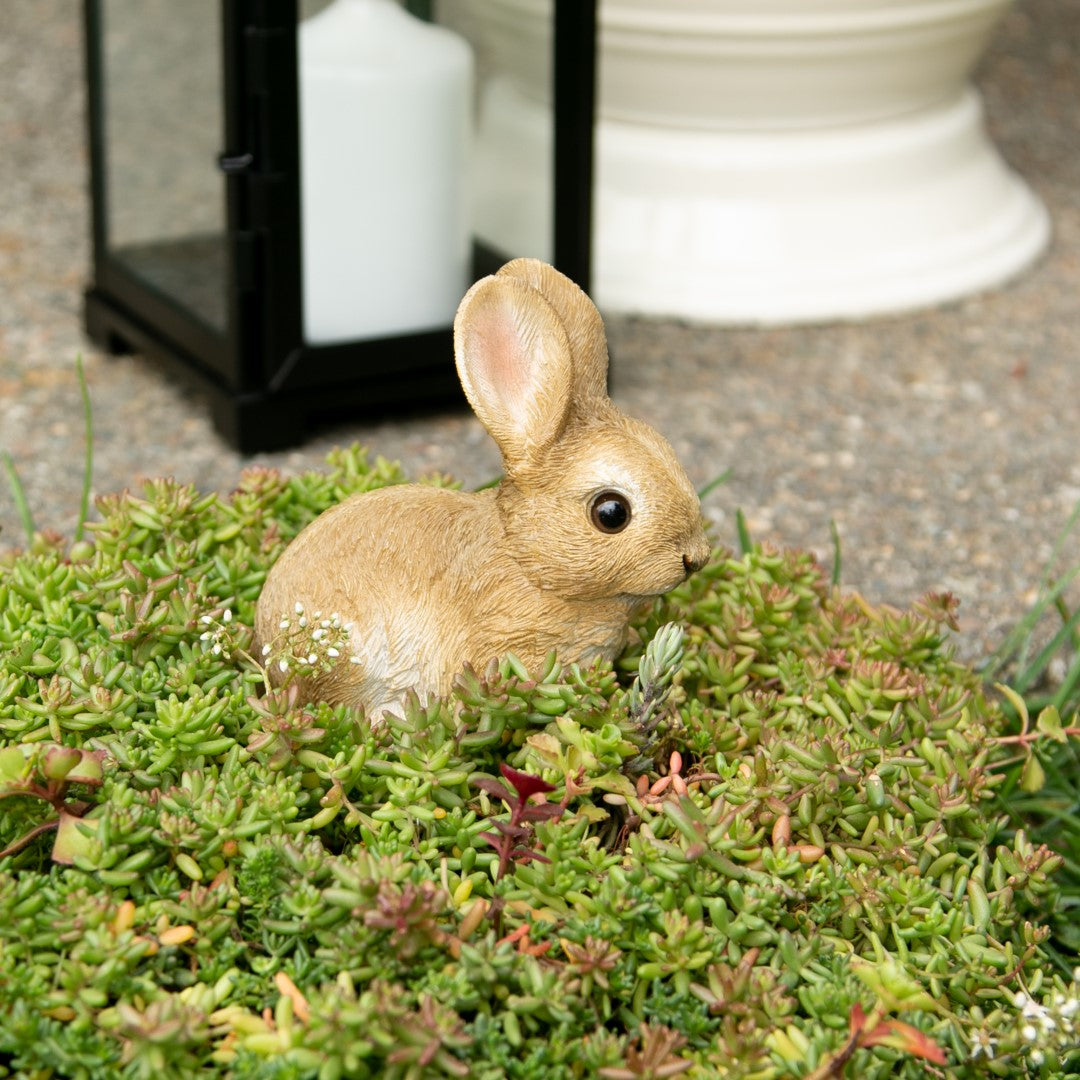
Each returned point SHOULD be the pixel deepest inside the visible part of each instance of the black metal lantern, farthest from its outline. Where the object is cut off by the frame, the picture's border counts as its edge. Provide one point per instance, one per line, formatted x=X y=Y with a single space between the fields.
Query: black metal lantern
x=197 y=226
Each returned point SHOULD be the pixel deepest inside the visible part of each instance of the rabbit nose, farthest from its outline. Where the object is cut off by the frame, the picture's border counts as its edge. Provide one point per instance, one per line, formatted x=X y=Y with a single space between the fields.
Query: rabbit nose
x=691 y=563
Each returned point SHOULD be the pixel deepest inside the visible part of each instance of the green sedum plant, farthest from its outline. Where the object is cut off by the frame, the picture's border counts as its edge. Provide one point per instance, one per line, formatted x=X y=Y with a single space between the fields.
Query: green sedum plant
x=767 y=843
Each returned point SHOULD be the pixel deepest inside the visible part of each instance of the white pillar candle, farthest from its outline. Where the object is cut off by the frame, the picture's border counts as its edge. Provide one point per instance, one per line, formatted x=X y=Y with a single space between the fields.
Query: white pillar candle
x=385 y=105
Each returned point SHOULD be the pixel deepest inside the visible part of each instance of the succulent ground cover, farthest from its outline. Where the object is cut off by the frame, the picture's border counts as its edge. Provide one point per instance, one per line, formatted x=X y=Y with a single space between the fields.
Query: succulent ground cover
x=786 y=834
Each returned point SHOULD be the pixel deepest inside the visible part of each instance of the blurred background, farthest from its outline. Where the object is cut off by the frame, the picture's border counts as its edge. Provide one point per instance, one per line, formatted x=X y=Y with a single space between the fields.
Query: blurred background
x=942 y=442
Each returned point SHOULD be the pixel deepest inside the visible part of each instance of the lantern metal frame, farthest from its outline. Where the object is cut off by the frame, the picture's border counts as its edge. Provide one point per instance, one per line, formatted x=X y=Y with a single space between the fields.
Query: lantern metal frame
x=266 y=387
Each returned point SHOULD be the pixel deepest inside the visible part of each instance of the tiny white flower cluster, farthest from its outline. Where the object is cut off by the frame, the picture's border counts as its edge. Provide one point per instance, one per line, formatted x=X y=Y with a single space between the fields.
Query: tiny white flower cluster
x=1053 y=1023
x=218 y=634
x=984 y=1046
x=309 y=643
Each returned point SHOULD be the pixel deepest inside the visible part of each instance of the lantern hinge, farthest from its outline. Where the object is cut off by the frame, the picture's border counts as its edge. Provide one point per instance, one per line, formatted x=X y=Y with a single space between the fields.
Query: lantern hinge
x=235 y=163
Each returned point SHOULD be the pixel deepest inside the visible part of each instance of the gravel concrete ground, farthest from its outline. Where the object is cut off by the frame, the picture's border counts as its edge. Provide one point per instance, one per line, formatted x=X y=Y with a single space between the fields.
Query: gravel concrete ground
x=943 y=443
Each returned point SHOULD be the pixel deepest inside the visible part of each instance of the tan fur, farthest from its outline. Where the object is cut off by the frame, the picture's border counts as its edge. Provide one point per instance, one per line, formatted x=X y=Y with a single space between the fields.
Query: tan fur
x=429 y=579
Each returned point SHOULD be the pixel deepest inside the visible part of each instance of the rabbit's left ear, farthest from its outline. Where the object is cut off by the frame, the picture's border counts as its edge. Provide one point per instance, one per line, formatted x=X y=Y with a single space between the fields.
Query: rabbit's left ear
x=584 y=327
x=513 y=358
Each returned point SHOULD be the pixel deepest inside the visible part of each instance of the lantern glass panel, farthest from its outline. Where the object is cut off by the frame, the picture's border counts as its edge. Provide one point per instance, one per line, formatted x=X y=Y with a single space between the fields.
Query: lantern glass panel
x=385 y=103
x=514 y=140
x=164 y=192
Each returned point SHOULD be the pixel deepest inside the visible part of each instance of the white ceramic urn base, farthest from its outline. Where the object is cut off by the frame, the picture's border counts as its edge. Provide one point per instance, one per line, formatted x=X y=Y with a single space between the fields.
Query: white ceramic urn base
x=775 y=226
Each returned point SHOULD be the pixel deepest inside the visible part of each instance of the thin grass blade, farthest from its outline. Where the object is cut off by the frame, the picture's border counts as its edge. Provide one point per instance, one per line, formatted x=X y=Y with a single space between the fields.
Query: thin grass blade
x=88 y=448
x=714 y=483
x=1019 y=642
x=1068 y=685
x=837 y=559
x=18 y=495
x=746 y=544
x=1034 y=671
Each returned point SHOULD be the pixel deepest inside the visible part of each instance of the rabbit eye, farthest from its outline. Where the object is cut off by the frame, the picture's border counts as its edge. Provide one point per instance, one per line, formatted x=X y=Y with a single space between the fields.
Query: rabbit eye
x=610 y=512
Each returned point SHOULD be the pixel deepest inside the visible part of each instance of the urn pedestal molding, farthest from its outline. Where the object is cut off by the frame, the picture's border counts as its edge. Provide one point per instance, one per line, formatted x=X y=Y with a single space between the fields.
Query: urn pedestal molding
x=764 y=161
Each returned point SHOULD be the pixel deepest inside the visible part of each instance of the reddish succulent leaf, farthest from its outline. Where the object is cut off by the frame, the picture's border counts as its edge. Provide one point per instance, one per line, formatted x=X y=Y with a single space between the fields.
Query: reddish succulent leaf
x=511 y=831
x=905 y=1037
x=509 y=838
x=493 y=788
x=528 y=855
x=856 y=1020
x=894 y=1033
x=540 y=812
x=525 y=784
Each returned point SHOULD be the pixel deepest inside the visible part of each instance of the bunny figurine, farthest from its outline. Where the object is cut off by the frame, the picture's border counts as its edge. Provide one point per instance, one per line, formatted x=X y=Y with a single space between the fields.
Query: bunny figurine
x=593 y=517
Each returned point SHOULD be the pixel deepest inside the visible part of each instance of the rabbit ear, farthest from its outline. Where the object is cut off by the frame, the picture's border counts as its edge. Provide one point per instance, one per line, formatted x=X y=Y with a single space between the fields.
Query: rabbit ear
x=584 y=327
x=513 y=358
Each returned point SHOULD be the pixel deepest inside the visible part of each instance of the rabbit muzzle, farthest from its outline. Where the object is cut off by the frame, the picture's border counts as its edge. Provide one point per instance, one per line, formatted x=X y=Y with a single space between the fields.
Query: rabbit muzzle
x=696 y=555
x=693 y=563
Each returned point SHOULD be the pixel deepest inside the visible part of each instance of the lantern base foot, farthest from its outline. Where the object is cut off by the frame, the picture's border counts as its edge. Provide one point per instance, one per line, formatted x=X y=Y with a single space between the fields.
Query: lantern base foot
x=322 y=386
x=248 y=422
